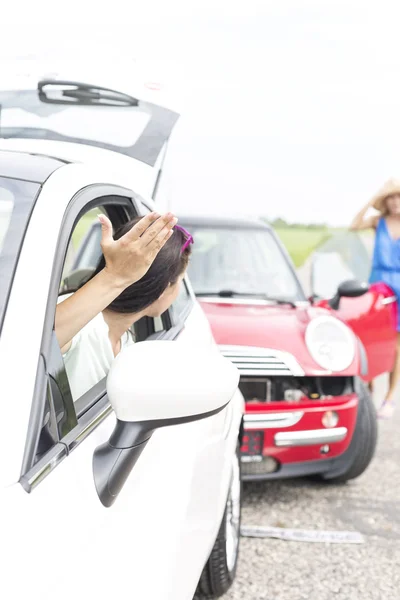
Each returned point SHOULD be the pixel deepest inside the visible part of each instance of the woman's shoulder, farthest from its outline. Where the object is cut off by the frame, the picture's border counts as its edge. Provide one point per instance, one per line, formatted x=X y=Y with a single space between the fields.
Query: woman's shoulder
x=377 y=221
x=96 y=329
x=94 y=334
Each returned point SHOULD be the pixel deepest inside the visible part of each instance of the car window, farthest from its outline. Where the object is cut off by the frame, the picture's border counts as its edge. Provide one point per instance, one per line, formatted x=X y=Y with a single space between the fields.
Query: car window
x=242 y=261
x=6 y=209
x=343 y=256
x=124 y=129
x=182 y=304
x=84 y=250
x=69 y=389
x=87 y=360
x=16 y=202
x=90 y=355
x=109 y=125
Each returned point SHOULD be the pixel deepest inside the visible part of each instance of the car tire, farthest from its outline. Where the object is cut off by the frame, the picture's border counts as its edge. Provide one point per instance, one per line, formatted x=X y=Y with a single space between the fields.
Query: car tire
x=220 y=569
x=363 y=444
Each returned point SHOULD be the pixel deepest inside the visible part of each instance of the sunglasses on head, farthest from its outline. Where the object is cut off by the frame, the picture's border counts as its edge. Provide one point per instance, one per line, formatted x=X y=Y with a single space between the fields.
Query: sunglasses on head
x=189 y=238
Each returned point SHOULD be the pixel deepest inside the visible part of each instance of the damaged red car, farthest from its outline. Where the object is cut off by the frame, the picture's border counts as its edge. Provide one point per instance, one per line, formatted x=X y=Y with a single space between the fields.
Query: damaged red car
x=304 y=359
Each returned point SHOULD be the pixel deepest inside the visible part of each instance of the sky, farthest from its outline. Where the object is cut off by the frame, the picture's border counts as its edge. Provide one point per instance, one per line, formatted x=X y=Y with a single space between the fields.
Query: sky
x=290 y=108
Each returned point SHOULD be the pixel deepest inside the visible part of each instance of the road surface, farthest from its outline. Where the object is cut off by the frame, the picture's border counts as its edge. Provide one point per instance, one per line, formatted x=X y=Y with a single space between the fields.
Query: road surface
x=280 y=570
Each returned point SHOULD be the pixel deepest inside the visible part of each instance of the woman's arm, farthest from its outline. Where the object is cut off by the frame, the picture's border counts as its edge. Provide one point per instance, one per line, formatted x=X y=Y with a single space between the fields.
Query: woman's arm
x=360 y=222
x=127 y=260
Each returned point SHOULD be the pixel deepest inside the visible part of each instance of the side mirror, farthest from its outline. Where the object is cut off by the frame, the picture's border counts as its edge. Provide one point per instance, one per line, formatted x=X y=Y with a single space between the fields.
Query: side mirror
x=351 y=288
x=154 y=384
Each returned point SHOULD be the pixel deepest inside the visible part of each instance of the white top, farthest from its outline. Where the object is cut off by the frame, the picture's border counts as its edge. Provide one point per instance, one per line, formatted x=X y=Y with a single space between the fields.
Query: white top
x=90 y=356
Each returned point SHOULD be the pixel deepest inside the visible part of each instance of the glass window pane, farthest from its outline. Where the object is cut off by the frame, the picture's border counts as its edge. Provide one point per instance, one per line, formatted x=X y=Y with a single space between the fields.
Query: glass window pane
x=181 y=303
x=344 y=256
x=6 y=208
x=247 y=261
x=16 y=201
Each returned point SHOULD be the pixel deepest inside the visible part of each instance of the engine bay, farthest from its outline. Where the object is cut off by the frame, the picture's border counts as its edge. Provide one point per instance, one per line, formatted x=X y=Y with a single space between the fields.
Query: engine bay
x=294 y=389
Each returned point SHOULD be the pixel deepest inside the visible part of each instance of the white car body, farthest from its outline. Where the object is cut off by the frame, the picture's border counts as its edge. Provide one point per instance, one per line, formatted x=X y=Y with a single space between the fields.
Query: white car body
x=57 y=538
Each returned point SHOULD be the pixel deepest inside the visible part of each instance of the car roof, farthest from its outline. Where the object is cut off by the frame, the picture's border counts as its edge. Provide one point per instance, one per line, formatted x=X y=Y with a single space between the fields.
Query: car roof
x=27 y=166
x=217 y=221
x=70 y=152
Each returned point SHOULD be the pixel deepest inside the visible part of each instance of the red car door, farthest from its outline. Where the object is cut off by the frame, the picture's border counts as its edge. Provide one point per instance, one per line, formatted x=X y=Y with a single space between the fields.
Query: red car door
x=373 y=316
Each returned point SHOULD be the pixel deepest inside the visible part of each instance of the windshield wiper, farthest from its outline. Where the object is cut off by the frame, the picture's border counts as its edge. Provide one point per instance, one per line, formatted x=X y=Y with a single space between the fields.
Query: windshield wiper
x=54 y=91
x=233 y=294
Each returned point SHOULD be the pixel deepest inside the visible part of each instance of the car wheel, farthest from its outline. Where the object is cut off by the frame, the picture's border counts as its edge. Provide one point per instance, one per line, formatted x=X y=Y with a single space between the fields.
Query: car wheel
x=362 y=447
x=220 y=569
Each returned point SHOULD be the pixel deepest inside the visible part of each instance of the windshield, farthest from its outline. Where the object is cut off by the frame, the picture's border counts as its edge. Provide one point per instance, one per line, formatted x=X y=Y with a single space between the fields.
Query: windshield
x=16 y=202
x=244 y=261
x=138 y=131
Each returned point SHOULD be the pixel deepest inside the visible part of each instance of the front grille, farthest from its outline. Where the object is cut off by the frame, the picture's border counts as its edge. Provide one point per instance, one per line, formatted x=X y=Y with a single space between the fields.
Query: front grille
x=262 y=361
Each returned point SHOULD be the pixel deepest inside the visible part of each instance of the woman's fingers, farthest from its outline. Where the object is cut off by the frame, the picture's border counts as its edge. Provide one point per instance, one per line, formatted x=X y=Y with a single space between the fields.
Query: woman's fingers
x=137 y=230
x=106 y=230
x=154 y=234
x=130 y=257
x=154 y=248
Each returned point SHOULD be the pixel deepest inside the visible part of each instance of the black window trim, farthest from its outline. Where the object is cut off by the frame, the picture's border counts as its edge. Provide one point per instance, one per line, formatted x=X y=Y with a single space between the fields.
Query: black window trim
x=47 y=463
x=89 y=197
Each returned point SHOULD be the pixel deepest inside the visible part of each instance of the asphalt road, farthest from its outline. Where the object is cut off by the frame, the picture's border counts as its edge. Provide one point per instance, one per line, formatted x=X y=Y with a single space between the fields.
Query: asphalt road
x=280 y=570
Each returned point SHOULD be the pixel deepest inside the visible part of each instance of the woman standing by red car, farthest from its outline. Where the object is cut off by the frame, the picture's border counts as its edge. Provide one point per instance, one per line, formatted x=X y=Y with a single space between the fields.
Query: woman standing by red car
x=386 y=261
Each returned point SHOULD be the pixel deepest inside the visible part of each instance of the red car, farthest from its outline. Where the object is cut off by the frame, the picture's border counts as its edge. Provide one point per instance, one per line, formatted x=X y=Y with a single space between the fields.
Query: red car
x=304 y=361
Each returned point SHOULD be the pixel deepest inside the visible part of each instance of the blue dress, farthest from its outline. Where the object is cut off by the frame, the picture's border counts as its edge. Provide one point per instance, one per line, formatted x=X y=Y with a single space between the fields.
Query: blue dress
x=386 y=261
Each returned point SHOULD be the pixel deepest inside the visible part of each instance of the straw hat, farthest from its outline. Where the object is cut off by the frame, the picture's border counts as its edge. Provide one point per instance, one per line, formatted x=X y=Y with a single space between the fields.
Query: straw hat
x=390 y=188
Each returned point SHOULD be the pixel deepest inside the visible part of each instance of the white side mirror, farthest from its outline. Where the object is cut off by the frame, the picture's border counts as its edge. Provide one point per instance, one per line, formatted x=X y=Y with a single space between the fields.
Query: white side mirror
x=161 y=380
x=155 y=384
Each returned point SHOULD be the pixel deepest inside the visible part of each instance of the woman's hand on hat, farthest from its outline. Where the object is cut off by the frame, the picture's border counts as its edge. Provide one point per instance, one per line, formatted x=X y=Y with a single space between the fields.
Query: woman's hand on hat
x=129 y=258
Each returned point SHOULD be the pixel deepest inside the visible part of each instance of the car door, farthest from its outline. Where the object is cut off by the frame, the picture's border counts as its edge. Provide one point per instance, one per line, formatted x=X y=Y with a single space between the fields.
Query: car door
x=185 y=322
x=371 y=316
x=59 y=539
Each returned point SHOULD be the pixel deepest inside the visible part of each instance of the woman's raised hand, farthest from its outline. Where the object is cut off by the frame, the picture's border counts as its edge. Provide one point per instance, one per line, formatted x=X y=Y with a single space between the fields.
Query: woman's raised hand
x=129 y=258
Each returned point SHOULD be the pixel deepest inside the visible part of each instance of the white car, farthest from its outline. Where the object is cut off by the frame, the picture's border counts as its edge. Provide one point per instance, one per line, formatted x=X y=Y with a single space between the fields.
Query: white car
x=132 y=490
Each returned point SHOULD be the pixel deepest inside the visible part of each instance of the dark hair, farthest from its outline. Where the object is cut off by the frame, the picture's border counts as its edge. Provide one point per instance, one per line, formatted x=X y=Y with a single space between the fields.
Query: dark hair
x=166 y=269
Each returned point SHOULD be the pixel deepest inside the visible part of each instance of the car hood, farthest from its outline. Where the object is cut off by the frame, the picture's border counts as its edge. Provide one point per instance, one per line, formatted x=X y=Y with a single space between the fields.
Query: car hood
x=264 y=325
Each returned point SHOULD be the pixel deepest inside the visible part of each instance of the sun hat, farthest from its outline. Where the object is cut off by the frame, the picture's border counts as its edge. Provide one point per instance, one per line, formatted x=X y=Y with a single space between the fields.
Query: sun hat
x=390 y=188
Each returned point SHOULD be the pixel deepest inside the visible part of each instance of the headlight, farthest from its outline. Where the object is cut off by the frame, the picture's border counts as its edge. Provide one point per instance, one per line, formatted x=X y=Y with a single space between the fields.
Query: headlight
x=331 y=343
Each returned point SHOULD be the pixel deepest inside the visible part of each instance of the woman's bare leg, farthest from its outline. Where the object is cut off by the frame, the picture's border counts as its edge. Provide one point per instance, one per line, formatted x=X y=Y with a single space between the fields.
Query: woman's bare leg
x=394 y=377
